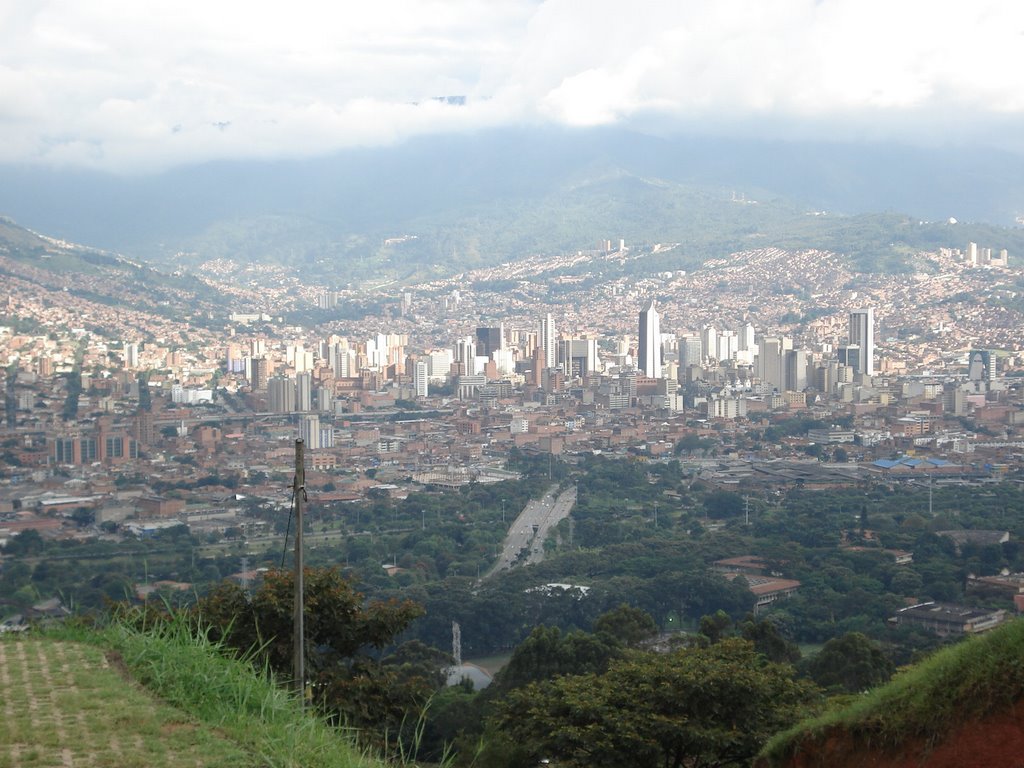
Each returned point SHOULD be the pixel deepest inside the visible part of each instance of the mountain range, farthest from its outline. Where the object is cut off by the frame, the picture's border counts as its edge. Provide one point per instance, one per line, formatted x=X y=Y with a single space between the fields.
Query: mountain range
x=444 y=203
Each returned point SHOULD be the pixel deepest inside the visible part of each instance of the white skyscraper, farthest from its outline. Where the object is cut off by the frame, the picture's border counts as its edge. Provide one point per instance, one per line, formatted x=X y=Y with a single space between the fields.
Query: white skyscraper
x=546 y=337
x=649 y=353
x=862 y=333
x=309 y=431
x=420 y=374
x=709 y=341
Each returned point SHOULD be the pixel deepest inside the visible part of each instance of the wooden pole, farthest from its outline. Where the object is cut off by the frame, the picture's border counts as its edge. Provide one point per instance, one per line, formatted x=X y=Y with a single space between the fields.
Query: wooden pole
x=299 y=636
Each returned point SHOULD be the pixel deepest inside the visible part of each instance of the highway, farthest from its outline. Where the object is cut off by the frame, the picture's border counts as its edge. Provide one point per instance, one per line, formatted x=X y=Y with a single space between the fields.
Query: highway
x=524 y=543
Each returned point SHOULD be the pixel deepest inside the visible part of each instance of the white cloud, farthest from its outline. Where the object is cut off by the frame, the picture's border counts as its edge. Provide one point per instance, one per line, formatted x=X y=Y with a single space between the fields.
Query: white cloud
x=128 y=85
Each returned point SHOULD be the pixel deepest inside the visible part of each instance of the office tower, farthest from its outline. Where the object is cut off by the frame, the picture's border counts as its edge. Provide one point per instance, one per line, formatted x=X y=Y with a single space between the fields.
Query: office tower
x=709 y=341
x=862 y=333
x=304 y=391
x=981 y=365
x=689 y=350
x=849 y=357
x=324 y=399
x=465 y=355
x=488 y=341
x=309 y=431
x=505 y=360
x=579 y=356
x=746 y=338
x=546 y=341
x=440 y=363
x=131 y=355
x=280 y=394
x=649 y=356
x=770 y=367
x=260 y=374
x=728 y=345
x=796 y=370
x=420 y=372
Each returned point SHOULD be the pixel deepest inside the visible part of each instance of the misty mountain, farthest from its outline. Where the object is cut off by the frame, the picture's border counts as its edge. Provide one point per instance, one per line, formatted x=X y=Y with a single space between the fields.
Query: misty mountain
x=497 y=195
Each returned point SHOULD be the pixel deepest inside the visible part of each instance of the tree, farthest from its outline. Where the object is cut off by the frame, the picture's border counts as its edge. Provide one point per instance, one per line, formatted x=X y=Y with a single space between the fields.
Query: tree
x=547 y=653
x=721 y=504
x=699 y=707
x=626 y=624
x=768 y=641
x=850 y=663
x=341 y=632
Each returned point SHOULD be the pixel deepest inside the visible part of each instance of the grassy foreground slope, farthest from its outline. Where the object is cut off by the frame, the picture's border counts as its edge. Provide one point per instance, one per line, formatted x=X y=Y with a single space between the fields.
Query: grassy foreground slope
x=963 y=706
x=66 y=702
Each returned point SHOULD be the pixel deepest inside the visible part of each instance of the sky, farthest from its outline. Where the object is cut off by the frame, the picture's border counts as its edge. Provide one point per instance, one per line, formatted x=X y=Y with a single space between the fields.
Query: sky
x=132 y=86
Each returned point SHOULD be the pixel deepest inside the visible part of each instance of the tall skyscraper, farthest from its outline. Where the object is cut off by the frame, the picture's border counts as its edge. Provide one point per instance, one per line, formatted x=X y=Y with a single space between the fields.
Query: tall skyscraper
x=420 y=373
x=488 y=341
x=862 y=333
x=547 y=340
x=649 y=355
x=309 y=431
x=304 y=391
x=709 y=341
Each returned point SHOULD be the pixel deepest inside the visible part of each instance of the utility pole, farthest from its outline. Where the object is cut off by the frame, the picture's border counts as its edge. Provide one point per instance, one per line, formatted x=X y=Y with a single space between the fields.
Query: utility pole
x=299 y=635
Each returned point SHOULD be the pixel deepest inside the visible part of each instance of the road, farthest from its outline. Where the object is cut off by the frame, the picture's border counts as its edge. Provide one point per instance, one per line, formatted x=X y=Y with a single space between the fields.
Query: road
x=531 y=528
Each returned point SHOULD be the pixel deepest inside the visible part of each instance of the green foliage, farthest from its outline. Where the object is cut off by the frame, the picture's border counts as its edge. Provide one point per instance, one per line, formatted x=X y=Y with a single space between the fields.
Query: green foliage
x=851 y=663
x=185 y=668
x=547 y=653
x=628 y=625
x=967 y=681
x=695 y=706
x=340 y=632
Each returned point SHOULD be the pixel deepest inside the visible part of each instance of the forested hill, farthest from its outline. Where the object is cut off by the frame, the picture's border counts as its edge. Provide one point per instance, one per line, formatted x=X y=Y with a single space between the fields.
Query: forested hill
x=498 y=196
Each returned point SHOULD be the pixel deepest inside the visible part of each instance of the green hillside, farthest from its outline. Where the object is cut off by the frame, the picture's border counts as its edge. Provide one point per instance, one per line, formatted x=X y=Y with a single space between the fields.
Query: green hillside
x=158 y=700
x=960 y=685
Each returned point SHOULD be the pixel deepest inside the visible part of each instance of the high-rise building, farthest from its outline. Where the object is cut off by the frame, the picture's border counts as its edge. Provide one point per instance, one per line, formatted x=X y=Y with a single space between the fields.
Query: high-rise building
x=770 y=362
x=420 y=373
x=309 y=431
x=260 y=374
x=709 y=341
x=649 y=354
x=849 y=357
x=862 y=333
x=488 y=341
x=546 y=341
x=689 y=350
x=746 y=338
x=131 y=355
x=304 y=391
x=465 y=355
x=981 y=365
x=795 y=370
x=280 y=394
x=579 y=356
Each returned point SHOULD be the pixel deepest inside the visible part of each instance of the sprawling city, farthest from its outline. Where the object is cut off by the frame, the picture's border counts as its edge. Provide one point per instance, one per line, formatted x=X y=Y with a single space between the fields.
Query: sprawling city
x=502 y=385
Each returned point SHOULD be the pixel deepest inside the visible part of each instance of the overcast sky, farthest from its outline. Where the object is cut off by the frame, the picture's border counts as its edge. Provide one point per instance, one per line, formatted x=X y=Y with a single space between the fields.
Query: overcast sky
x=130 y=85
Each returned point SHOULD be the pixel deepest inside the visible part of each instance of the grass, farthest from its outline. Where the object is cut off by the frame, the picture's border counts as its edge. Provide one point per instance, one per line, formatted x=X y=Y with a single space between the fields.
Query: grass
x=960 y=683
x=64 y=704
